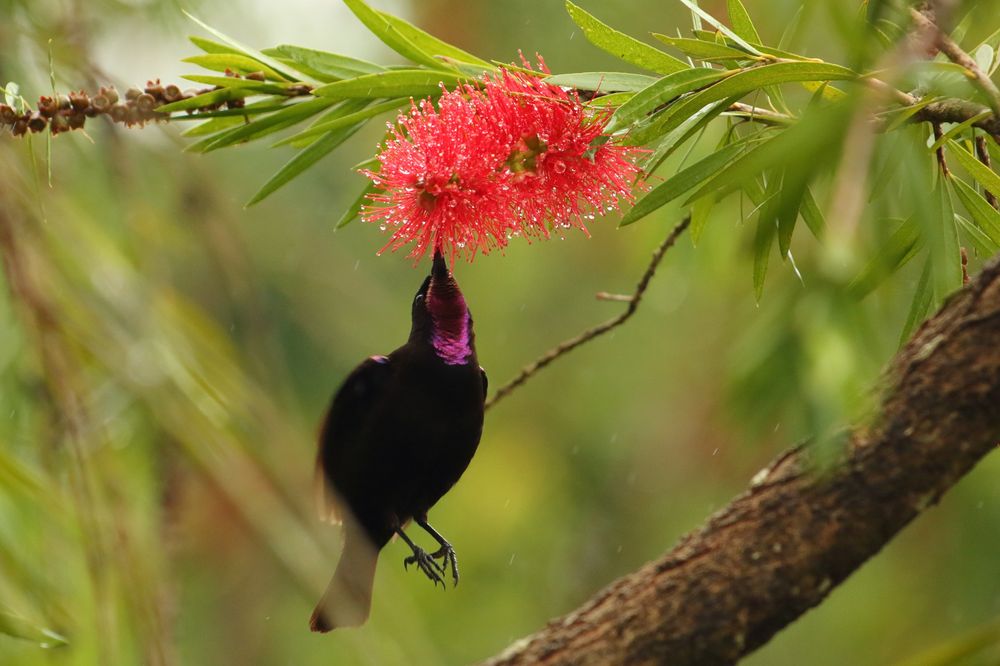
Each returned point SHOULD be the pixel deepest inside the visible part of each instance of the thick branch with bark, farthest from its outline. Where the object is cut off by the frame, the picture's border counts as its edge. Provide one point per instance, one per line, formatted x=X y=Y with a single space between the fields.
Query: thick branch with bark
x=778 y=549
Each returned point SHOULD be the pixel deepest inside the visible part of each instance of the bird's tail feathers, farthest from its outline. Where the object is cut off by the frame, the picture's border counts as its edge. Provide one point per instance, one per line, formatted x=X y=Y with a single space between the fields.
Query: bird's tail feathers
x=348 y=597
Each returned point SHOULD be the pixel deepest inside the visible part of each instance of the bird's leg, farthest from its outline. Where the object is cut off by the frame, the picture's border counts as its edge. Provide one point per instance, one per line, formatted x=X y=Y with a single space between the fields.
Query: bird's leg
x=446 y=552
x=424 y=562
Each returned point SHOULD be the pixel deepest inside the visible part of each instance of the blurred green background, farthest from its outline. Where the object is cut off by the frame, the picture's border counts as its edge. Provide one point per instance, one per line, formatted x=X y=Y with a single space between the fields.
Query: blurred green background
x=167 y=356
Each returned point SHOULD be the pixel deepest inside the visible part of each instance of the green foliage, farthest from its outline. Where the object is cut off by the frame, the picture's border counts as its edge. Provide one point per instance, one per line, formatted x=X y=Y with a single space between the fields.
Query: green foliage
x=203 y=345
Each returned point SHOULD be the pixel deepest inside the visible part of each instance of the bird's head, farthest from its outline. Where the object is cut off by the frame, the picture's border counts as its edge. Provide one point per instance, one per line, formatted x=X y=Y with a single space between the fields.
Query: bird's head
x=440 y=315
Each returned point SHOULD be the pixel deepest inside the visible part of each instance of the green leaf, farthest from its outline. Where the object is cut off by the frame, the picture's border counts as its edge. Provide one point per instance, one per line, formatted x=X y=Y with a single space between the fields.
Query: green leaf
x=661 y=92
x=702 y=50
x=622 y=46
x=812 y=216
x=789 y=201
x=946 y=258
x=603 y=81
x=721 y=27
x=208 y=46
x=983 y=243
x=352 y=211
x=813 y=135
x=899 y=117
x=922 y=299
x=343 y=121
x=276 y=122
x=220 y=62
x=958 y=129
x=242 y=84
x=302 y=161
x=762 y=243
x=416 y=83
x=216 y=124
x=901 y=246
x=742 y=25
x=428 y=43
x=617 y=99
x=680 y=183
x=982 y=173
x=740 y=83
x=391 y=36
x=679 y=135
x=701 y=212
x=210 y=98
x=983 y=214
x=16 y=626
x=240 y=48
x=331 y=66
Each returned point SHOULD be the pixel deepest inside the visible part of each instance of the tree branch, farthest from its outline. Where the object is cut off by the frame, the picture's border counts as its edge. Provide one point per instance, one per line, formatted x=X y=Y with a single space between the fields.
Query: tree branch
x=796 y=533
x=959 y=57
x=569 y=345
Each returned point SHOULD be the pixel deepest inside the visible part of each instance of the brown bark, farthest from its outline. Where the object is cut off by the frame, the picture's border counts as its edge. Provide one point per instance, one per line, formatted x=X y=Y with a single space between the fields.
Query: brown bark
x=778 y=549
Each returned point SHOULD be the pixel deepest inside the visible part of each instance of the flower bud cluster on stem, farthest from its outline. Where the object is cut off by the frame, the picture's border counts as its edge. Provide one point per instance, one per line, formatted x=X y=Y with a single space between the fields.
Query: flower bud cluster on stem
x=62 y=113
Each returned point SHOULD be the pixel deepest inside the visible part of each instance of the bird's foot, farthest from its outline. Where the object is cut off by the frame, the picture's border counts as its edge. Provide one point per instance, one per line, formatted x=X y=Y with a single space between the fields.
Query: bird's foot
x=425 y=562
x=448 y=559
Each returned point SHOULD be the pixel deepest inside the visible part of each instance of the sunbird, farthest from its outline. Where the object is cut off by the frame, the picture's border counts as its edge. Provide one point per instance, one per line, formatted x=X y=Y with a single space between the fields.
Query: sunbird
x=398 y=435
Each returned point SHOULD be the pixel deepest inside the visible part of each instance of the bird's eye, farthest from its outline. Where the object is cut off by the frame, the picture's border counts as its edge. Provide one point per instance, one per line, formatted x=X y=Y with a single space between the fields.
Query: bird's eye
x=419 y=297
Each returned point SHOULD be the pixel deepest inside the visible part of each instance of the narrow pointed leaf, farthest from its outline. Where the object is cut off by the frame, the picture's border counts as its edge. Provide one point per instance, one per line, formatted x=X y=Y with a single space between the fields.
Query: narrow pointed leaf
x=983 y=214
x=352 y=211
x=343 y=121
x=923 y=296
x=603 y=81
x=958 y=129
x=702 y=50
x=701 y=212
x=220 y=62
x=390 y=36
x=899 y=248
x=660 y=92
x=216 y=124
x=245 y=50
x=622 y=46
x=946 y=266
x=742 y=25
x=812 y=215
x=265 y=126
x=982 y=173
x=15 y=626
x=415 y=83
x=333 y=66
x=208 y=46
x=205 y=99
x=302 y=161
x=679 y=135
x=680 y=183
x=762 y=243
x=742 y=83
x=984 y=245
x=249 y=85
x=428 y=43
x=719 y=25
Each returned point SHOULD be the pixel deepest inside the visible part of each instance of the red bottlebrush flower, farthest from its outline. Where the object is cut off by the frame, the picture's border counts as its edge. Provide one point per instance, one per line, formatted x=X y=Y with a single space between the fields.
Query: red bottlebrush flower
x=440 y=179
x=565 y=170
x=516 y=156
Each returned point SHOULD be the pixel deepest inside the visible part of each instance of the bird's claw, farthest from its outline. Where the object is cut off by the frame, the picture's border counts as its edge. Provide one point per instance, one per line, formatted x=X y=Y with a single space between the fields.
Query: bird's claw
x=426 y=564
x=446 y=553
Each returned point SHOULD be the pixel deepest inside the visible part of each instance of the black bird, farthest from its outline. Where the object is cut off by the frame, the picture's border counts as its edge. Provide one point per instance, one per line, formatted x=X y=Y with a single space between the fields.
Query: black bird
x=400 y=432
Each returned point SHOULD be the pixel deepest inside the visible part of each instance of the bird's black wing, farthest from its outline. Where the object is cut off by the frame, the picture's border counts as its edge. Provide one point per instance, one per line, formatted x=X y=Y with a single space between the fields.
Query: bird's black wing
x=346 y=416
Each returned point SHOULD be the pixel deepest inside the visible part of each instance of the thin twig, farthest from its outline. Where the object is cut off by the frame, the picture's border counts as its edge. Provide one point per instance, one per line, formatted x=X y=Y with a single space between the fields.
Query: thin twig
x=942 y=163
x=961 y=58
x=983 y=153
x=569 y=345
